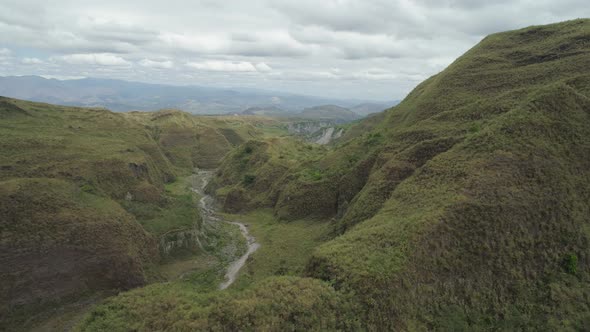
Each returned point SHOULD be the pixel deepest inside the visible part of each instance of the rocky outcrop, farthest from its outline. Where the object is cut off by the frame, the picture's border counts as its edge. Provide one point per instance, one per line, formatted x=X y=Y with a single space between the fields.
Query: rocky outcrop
x=308 y=127
x=187 y=240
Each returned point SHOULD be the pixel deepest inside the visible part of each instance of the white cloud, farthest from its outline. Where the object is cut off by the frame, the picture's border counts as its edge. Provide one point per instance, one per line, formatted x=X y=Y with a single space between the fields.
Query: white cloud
x=100 y=59
x=263 y=67
x=5 y=56
x=31 y=61
x=242 y=66
x=287 y=41
x=166 y=64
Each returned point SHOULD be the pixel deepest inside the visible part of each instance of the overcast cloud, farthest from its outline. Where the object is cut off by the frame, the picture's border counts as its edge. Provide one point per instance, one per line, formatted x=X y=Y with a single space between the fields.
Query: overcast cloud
x=368 y=49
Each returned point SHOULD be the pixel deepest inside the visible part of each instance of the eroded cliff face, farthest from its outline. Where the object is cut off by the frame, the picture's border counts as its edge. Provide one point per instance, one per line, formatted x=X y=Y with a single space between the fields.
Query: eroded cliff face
x=308 y=127
x=319 y=132
x=328 y=135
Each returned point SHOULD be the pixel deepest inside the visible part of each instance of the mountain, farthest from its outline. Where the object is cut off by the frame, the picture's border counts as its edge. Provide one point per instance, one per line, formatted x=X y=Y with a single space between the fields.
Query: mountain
x=463 y=208
x=125 y=96
x=329 y=112
x=266 y=111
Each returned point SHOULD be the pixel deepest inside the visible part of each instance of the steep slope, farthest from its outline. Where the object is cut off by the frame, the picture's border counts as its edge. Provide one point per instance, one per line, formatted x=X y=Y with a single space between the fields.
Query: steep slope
x=365 y=109
x=277 y=304
x=466 y=206
x=63 y=233
x=88 y=195
x=475 y=213
x=60 y=243
x=191 y=141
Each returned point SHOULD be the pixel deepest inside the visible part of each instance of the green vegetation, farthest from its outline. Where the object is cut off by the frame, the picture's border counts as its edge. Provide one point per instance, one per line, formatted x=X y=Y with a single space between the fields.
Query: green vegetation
x=250 y=176
x=176 y=211
x=255 y=300
x=249 y=179
x=456 y=208
x=571 y=263
x=51 y=222
x=329 y=112
x=285 y=248
x=463 y=208
x=92 y=194
x=281 y=303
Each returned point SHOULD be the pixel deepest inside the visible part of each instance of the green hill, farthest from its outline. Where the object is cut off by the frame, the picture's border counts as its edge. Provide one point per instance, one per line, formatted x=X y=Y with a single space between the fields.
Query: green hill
x=329 y=113
x=86 y=194
x=466 y=206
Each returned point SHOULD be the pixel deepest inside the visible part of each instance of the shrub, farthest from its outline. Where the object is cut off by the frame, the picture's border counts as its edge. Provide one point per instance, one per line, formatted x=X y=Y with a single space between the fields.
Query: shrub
x=571 y=263
x=249 y=179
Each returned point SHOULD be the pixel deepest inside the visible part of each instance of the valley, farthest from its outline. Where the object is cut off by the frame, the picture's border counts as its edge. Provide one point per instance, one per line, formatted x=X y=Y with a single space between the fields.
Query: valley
x=143 y=175
x=463 y=208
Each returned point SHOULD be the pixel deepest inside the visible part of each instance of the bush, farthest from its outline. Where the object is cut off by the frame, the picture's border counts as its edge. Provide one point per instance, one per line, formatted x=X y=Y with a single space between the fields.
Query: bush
x=249 y=179
x=571 y=263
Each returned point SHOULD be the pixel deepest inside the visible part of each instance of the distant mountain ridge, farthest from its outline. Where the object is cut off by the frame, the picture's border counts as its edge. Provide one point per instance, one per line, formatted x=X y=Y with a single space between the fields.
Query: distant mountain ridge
x=265 y=111
x=122 y=96
x=329 y=112
x=332 y=113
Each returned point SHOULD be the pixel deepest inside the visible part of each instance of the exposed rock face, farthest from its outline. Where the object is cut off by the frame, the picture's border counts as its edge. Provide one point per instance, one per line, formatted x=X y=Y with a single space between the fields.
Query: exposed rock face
x=329 y=134
x=183 y=240
x=319 y=132
x=326 y=136
x=308 y=127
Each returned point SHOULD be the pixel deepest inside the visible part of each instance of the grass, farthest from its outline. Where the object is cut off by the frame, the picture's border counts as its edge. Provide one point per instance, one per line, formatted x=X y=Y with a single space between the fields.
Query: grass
x=88 y=183
x=37 y=214
x=465 y=207
x=464 y=167
x=178 y=211
x=284 y=249
x=461 y=207
x=193 y=302
x=259 y=169
x=180 y=306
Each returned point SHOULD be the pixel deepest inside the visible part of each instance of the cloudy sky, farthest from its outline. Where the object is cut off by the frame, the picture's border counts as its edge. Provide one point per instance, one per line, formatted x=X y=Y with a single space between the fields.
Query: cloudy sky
x=369 y=49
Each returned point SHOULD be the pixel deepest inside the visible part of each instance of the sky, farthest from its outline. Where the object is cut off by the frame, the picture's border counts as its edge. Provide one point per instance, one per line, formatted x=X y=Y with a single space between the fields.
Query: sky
x=366 y=49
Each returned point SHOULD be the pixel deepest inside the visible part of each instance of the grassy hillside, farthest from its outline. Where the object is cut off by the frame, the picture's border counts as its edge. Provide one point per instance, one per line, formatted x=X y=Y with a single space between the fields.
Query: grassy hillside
x=279 y=304
x=463 y=208
x=466 y=206
x=59 y=242
x=475 y=212
x=252 y=176
x=87 y=195
x=201 y=141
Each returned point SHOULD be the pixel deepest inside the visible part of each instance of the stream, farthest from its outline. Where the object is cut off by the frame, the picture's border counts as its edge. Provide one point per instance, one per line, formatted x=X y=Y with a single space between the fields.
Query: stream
x=209 y=215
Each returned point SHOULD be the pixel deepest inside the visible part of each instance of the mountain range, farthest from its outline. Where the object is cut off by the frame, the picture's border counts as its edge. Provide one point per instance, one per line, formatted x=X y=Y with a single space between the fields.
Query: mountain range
x=123 y=96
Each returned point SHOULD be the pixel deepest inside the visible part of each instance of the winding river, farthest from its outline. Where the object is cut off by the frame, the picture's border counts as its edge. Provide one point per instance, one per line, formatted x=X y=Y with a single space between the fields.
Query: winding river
x=209 y=214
